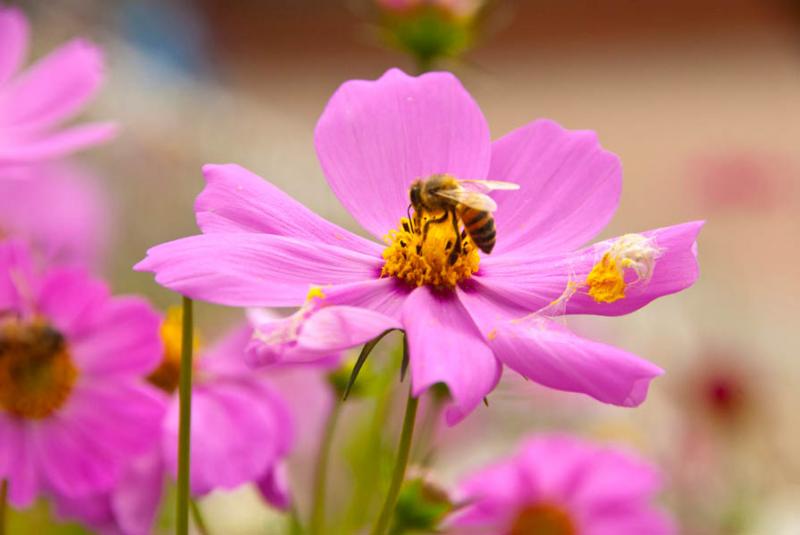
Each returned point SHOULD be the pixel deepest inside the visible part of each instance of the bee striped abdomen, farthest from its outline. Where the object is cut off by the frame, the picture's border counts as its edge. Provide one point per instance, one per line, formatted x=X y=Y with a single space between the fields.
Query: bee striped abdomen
x=480 y=227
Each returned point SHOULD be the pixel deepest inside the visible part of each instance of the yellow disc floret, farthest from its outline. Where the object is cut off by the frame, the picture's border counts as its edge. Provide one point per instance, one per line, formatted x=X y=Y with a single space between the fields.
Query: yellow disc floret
x=543 y=519
x=430 y=259
x=36 y=371
x=167 y=375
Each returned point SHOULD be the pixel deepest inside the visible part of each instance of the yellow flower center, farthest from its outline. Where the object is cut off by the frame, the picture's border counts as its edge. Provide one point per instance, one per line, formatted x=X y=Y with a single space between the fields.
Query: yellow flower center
x=167 y=375
x=542 y=519
x=36 y=371
x=606 y=281
x=421 y=256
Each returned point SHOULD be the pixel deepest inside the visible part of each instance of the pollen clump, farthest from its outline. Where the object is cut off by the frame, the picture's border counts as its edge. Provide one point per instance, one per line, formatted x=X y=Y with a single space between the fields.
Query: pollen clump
x=36 y=370
x=429 y=261
x=632 y=252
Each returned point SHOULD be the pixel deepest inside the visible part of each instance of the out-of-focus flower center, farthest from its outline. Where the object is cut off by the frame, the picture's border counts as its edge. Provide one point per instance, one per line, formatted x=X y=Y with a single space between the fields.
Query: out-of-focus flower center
x=36 y=371
x=167 y=375
x=542 y=519
x=427 y=258
x=606 y=281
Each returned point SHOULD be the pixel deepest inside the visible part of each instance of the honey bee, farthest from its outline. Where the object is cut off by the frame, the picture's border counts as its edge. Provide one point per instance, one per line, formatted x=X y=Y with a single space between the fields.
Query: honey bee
x=463 y=201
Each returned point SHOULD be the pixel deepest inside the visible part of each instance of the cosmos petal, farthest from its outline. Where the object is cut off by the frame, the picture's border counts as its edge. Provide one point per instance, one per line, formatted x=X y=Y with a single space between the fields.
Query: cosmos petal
x=239 y=429
x=376 y=137
x=545 y=279
x=54 y=88
x=546 y=352
x=14 y=32
x=569 y=187
x=445 y=347
x=237 y=200
x=56 y=145
x=253 y=269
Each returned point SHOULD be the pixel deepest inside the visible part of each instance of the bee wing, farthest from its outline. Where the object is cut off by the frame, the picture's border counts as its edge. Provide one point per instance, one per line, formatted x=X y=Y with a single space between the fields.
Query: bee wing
x=473 y=199
x=484 y=186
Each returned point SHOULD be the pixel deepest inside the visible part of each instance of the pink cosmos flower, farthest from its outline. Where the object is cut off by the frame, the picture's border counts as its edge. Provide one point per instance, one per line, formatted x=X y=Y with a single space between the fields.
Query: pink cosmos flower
x=34 y=102
x=461 y=314
x=562 y=485
x=73 y=405
x=60 y=209
x=242 y=431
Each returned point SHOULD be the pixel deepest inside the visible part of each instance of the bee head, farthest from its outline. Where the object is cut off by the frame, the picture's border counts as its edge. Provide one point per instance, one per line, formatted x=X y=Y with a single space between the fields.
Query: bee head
x=415 y=193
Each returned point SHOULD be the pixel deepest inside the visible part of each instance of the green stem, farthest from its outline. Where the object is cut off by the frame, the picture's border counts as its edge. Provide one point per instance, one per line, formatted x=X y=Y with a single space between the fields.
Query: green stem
x=184 y=430
x=399 y=472
x=317 y=522
x=3 y=505
x=197 y=516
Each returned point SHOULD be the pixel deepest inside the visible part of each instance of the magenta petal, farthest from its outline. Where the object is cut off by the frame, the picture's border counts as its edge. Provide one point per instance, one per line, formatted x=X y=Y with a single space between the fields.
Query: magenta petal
x=274 y=487
x=570 y=187
x=122 y=340
x=137 y=496
x=236 y=200
x=676 y=269
x=239 y=430
x=253 y=269
x=445 y=347
x=117 y=419
x=56 y=145
x=92 y=511
x=337 y=328
x=70 y=299
x=546 y=352
x=539 y=281
x=376 y=137
x=385 y=295
x=17 y=280
x=19 y=464
x=54 y=88
x=71 y=224
x=642 y=520
x=617 y=480
x=13 y=41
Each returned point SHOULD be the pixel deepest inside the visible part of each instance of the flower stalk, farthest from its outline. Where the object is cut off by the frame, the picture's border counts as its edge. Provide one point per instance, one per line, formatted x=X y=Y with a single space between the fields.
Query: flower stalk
x=317 y=521
x=184 y=429
x=3 y=505
x=399 y=472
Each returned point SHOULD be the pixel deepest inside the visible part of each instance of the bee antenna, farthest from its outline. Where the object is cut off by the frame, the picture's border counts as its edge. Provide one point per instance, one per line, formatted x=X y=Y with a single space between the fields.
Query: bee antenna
x=408 y=213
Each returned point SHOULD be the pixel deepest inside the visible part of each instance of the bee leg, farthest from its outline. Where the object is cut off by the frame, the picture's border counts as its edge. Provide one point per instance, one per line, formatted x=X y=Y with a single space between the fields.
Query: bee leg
x=410 y=220
x=457 y=244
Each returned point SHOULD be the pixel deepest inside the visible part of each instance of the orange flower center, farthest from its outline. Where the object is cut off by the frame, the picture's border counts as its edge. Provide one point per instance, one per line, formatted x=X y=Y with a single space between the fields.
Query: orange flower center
x=36 y=371
x=167 y=375
x=542 y=519
x=427 y=257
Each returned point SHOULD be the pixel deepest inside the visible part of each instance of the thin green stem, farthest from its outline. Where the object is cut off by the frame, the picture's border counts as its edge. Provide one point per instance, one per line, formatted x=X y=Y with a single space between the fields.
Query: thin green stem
x=3 y=505
x=197 y=517
x=184 y=429
x=317 y=522
x=399 y=473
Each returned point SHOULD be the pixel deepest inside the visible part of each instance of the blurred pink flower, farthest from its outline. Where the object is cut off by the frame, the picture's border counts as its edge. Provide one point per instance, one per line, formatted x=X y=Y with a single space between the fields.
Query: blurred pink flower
x=60 y=209
x=34 y=102
x=242 y=432
x=262 y=248
x=742 y=180
x=562 y=485
x=73 y=403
